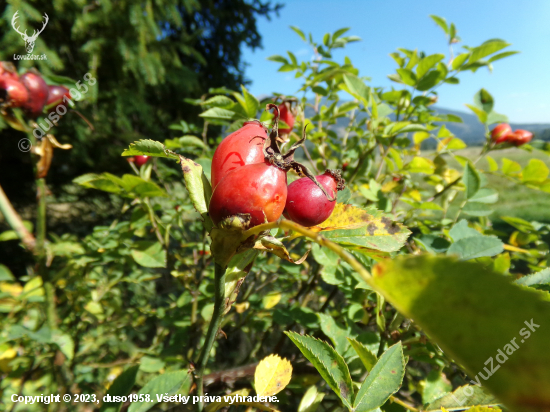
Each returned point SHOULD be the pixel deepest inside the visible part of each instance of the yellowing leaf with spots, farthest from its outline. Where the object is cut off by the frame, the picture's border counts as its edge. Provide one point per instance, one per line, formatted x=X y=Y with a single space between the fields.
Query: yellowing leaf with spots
x=364 y=228
x=272 y=375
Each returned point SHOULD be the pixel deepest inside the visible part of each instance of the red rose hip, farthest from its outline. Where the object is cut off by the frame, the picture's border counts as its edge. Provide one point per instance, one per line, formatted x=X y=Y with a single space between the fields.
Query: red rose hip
x=287 y=117
x=140 y=160
x=306 y=203
x=259 y=190
x=242 y=147
x=501 y=132
x=16 y=93
x=38 y=93
x=520 y=137
x=56 y=94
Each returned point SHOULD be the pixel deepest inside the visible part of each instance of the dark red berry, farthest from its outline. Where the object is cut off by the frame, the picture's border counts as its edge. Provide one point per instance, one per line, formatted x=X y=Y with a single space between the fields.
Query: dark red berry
x=306 y=203
x=56 y=93
x=38 y=93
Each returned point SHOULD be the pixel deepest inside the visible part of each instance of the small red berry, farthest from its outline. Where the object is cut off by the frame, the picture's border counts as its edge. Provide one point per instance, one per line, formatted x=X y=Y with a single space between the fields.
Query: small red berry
x=56 y=94
x=500 y=133
x=38 y=93
x=140 y=160
x=306 y=203
x=240 y=148
x=345 y=166
x=520 y=137
x=287 y=117
x=258 y=190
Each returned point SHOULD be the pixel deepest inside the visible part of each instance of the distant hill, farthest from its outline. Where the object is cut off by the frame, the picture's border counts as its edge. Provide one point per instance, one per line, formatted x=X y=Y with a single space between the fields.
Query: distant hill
x=471 y=130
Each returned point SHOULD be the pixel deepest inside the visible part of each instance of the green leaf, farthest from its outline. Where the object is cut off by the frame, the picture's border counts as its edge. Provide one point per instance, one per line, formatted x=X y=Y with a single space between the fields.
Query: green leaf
x=336 y=333
x=166 y=384
x=539 y=278
x=477 y=209
x=220 y=113
x=5 y=274
x=141 y=188
x=149 y=254
x=481 y=115
x=459 y=60
x=329 y=363
x=64 y=342
x=420 y=165
x=148 y=147
x=252 y=104
x=484 y=100
x=407 y=76
x=510 y=167
x=121 y=386
x=471 y=180
x=425 y=64
x=357 y=88
x=476 y=246
x=501 y=56
x=536 y=171
x=441 y=22
x=475 y=315
x=199 y=188
x=383 y=381
x=487 y=48
x=218 y=101
x=462 y=398
x=485 y=195
x=365 y=354
x=299 y=32
x=429 y=80
x=461 y=230
x=311 y=400
x=435 y=385
x=278 y=59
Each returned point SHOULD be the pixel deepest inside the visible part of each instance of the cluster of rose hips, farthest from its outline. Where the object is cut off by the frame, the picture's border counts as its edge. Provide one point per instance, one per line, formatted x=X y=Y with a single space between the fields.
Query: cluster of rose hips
x=503 y=134
x=249 y=177
x=28 y=91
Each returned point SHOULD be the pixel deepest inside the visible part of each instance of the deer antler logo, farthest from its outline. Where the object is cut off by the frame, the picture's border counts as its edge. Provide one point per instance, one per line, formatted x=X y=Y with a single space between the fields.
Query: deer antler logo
x=29 y=40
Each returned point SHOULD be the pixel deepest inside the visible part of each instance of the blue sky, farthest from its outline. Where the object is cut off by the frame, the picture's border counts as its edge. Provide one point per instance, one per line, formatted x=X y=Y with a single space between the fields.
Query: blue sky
x=520 y=84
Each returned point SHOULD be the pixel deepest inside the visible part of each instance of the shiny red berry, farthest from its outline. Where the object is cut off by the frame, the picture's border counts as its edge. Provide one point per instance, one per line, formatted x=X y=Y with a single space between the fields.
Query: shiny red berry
x=38 y=93
x=501 y=132
x=56 y=94
x=140 y=160
x=240 y=148
x=520 y=137
x=259 y=190
x=306 y=203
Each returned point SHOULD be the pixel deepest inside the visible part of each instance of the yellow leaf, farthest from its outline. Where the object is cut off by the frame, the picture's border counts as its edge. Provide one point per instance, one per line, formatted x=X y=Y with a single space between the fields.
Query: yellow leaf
x=14 y=289
x=415 y=195
x=272 y=375
x=389 y=186
x=271 y=299
x=241 y=307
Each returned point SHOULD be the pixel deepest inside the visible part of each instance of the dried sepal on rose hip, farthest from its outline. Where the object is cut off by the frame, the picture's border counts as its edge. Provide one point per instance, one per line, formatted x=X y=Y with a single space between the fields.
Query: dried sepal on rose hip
x=306 y=204
x=259 y=190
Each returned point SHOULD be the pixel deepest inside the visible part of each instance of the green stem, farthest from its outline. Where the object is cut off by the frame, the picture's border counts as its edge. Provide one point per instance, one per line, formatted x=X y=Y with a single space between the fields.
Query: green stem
x=213 y=328
x=15 y=222
x=41 y=217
